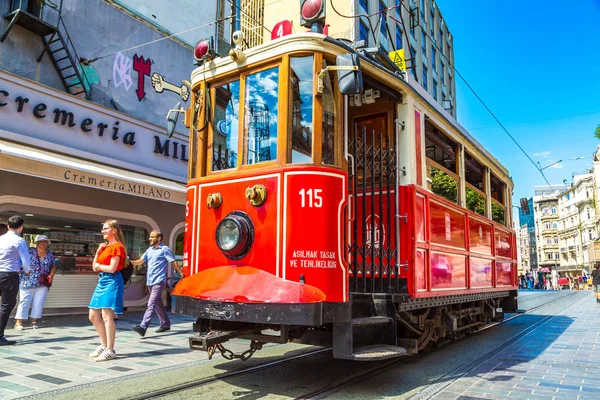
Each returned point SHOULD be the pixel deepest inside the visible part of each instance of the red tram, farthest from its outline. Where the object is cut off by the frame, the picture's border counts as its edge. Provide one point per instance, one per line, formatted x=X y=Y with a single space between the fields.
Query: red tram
x=331 y=201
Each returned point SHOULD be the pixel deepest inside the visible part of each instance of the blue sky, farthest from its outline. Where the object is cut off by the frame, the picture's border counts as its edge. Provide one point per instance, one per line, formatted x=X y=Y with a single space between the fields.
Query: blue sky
x=536 y=64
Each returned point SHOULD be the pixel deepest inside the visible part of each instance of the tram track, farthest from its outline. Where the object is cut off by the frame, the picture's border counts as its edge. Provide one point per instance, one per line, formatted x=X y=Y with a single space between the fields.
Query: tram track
x=332 y=388
x=327 y=389
x=215 y=378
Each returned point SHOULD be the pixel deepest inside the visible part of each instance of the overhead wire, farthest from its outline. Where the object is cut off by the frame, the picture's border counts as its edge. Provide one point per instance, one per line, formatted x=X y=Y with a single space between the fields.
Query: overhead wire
x=161 y=39
x=449 y=62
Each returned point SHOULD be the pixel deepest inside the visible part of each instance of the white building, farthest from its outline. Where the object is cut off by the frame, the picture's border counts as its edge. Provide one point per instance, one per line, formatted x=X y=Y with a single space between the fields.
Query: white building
x=545 y=203
x=577 y=228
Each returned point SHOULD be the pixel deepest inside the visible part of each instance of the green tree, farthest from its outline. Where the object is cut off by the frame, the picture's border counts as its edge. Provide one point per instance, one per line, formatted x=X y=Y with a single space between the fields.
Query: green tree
x=444 y=185
x=597 y=132
x=497 y=213
x=475 y=201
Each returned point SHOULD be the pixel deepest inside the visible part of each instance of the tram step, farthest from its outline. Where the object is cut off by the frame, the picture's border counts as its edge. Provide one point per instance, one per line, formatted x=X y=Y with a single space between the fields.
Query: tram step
x=370 y=321
x=378 y=352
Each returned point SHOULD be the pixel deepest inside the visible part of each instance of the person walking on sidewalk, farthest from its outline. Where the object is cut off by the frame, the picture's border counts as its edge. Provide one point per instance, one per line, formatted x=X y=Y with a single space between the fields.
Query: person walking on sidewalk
x=158 y=256
x=596 y=281
x=34 y=288
x=107 y=299
x=14 y=257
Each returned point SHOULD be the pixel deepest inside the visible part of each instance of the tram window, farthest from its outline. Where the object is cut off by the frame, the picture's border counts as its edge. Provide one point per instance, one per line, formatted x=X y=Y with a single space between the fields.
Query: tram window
x=301 y=87
x=441 y=163
x=475 y=191
x=443 y=184
x=225 y=128
x=329 y=115
x=498 y=201
x=260 y=116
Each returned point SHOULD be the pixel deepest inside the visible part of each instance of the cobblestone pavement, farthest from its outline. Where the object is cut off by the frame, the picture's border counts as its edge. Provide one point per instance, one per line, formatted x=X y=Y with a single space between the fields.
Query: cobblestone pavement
x=56 y=355
x=557 y=359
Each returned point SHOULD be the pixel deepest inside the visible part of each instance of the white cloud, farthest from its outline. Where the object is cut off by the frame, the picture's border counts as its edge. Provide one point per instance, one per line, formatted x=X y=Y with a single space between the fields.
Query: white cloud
x=558 y=166
x=542 y=154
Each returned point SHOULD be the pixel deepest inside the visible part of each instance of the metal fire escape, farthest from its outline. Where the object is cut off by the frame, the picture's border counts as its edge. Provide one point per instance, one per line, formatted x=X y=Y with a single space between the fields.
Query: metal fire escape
x=43 y=17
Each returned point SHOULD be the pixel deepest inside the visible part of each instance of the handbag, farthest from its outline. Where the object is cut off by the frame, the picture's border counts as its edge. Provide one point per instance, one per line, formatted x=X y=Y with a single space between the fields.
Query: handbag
x=43 y=281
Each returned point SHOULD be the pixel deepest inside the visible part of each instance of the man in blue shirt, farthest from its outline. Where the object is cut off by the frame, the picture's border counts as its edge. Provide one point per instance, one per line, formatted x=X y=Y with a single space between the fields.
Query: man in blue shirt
x=14 y=257
x=158 y=256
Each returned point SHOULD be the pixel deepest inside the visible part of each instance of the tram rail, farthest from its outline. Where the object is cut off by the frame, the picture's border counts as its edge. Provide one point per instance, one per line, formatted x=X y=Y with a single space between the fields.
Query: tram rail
x=434 y=388
x=331 y=388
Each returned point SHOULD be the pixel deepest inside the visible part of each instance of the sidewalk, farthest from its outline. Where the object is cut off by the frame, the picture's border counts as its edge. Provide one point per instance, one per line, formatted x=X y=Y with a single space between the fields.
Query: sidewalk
x=559 y=359
x=56 y=355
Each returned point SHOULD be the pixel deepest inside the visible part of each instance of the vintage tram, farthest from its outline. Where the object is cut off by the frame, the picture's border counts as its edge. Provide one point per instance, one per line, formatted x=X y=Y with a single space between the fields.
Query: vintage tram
x=332 y=201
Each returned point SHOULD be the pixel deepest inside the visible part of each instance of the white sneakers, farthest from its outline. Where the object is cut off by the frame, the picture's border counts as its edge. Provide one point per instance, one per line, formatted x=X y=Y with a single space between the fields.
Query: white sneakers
x=106 y=355
x=103 y=354
x=97 y=352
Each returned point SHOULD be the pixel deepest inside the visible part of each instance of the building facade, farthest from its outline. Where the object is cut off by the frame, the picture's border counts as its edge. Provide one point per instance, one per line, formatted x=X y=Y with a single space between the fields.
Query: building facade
x=577 y=225
x=528 y=219
x=545 y=206
x=415 y=26
x=524 y=248
x=84 y=90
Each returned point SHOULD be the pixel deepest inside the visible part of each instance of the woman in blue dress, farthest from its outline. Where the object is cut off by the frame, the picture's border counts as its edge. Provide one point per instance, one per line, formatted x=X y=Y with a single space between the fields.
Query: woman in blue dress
x=107 y=300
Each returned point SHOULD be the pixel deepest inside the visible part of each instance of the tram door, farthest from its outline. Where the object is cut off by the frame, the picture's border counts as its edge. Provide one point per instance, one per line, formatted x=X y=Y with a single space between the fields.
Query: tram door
x=372 y=229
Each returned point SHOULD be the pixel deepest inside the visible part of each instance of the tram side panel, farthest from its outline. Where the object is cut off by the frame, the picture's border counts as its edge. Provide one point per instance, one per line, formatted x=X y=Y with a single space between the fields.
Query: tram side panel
x=451 y=251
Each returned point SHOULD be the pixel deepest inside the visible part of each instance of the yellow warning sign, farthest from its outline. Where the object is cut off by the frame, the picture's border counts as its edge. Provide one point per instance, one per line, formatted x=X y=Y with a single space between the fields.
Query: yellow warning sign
x=397 y=58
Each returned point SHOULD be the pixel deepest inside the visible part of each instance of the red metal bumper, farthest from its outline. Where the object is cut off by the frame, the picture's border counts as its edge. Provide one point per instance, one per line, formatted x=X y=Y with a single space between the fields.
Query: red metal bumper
x=246 y=285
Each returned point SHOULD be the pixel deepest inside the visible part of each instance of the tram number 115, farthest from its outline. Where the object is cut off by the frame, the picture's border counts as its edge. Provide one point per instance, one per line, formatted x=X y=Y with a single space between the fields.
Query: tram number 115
x=311 y=198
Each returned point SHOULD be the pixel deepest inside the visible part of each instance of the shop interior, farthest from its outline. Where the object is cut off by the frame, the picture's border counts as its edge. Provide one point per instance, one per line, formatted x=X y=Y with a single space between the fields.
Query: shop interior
x=74 y=242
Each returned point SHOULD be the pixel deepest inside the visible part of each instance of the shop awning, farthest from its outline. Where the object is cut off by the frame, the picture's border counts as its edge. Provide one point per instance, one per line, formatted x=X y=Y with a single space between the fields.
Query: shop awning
x=31 y=161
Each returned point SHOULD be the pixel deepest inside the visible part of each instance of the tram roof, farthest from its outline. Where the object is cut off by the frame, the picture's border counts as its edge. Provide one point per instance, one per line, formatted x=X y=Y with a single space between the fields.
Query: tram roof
x=314 y=42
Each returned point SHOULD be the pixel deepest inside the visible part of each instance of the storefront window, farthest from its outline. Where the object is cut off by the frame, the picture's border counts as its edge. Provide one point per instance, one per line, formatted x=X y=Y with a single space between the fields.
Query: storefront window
x=74 y=242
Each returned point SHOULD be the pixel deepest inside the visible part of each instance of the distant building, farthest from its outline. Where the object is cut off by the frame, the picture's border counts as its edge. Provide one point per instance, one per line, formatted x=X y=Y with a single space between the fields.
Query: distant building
x=523 y=248
x=545 y=205
x=528 y=220
x=577 y=225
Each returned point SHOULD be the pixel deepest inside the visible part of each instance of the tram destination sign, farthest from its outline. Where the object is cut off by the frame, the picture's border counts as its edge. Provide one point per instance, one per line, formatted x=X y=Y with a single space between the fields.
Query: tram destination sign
x=37 y=115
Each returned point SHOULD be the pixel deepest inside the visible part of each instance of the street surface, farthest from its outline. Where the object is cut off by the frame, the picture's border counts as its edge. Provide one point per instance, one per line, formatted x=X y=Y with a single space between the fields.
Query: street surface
x=548 y=353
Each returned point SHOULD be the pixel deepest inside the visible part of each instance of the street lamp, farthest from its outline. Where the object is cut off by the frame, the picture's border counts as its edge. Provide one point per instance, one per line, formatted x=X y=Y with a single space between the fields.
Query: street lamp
x=559 y=161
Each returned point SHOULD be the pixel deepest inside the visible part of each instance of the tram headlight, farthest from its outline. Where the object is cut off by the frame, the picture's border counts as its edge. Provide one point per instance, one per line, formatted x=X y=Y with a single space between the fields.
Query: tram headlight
x=235 y=234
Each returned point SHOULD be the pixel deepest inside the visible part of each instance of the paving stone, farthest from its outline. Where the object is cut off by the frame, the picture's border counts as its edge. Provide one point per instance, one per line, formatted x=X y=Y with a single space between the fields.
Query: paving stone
x=49 y=379
x=17 y=388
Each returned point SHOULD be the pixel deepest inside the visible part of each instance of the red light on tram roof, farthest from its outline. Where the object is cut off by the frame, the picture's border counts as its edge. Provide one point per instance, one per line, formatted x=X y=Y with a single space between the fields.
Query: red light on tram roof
x=201 y=49
x=311 y=9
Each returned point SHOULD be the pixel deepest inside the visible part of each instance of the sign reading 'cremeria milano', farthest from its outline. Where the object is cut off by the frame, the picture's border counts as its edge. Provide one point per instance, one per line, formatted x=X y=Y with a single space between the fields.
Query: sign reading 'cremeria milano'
x=43 y=117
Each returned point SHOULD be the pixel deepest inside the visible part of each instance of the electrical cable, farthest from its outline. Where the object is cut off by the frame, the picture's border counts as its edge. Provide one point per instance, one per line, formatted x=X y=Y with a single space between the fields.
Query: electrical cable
x=232 y=2
x=160 y=39
x=432 y=40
